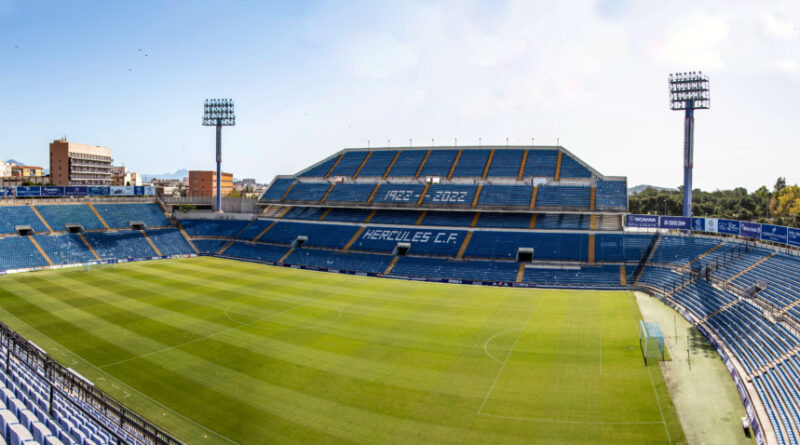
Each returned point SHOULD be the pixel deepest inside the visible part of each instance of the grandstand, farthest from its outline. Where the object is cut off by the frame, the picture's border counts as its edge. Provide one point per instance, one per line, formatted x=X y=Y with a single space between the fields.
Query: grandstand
x=518 y=216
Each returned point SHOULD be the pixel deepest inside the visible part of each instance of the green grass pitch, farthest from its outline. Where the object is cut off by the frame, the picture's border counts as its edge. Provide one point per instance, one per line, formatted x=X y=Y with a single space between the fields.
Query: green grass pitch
x=220 y=351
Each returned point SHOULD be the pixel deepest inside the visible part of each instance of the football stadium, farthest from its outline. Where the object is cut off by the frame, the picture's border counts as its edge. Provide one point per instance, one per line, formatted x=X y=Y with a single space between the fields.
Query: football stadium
x=392 y=295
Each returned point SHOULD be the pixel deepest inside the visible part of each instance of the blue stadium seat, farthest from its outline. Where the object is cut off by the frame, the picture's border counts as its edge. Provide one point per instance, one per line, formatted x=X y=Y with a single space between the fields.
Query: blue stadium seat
x=213 y=227
x=59 y=216
x=471 y=163
x=119 y=216
x=333 y=236
x=351 y=261
x=407 y=163
x=546 y=246
x=349 y=163
x=210 y=246
x=541 y=163
x=307 y=213
x=120 y=245
x=259 y=252
x=617 y=247
x=12 y=216
x=612 y=195
x=564 y=196
x=506 y=195
x=504 y=220
x=563 y=221
x=277 y=189
x=17 y=252
x=459 y=270
x=452 y=219
x=439 y=163
x=404 y=217
x=349 y=192
x=65 y=248
x=169 y=241
x=321 y=169
x=308 y=191
x=506 y=163
x=570 y=168
x=377 y=164
x=347 y=215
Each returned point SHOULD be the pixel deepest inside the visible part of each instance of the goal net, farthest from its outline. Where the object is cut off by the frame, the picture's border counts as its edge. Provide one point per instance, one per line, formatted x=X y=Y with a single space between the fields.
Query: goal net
x=651 y=340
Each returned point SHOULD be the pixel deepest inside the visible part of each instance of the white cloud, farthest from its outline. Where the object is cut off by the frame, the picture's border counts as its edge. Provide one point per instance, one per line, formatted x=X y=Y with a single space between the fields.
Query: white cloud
x=378 y=55
x=697 y=39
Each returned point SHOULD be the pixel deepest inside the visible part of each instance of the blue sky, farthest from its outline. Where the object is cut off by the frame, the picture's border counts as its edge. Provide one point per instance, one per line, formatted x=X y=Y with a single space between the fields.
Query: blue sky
x=310 y=78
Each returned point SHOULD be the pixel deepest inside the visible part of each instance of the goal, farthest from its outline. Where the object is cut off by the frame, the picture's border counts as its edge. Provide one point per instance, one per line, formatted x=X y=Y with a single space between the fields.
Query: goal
x=651 y=340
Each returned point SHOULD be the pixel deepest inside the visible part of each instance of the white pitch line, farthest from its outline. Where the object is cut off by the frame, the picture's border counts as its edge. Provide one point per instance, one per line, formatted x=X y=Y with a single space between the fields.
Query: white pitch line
x=485 y=344
x=500 y=371
x=576 y=422
x=658 y=402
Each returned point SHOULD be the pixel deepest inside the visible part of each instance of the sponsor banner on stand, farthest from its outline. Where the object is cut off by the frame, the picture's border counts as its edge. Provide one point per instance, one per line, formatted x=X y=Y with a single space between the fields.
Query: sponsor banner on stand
x=773 y=233
x=643 y=221
x=675 y=222
x=728 y=227
x=753 y=230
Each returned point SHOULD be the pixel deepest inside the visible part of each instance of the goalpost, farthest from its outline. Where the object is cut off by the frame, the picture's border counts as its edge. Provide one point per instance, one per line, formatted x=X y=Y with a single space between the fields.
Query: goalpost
x=651 y=340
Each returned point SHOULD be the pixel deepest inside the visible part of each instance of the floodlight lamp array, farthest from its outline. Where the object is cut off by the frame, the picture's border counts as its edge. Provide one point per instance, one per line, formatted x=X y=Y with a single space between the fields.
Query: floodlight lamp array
x=218 y=111
x=689 y=90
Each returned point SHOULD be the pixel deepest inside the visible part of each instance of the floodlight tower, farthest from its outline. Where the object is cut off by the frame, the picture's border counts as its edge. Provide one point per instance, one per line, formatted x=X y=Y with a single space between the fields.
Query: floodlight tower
x=689 y=91
x=216 y=113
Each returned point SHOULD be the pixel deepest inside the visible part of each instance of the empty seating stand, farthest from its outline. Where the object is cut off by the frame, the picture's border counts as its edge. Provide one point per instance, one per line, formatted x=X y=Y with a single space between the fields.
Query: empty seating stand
x=471 y=163
x=407 y=163
x=120 y=216
x=506 y=195
x=439 y=163
x=506 y=163
x=352 y=193
x=60 y=216
x=349 y=163
x=13 y=216
x=308 y=191
x=377 y=164
x=277 y=189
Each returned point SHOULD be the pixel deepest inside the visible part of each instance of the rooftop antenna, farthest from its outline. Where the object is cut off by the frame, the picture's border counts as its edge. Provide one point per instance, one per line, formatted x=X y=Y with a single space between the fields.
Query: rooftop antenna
x=479 y=142
x=506 y=141
x=410 y=142
x=689 y=91
x=456 y=141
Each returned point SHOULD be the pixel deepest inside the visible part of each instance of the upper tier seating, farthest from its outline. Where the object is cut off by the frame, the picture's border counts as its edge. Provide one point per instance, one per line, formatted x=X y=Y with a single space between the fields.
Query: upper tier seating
x=570 y=168
x=319 y=170
x=254 y=229
x=439 y=163
x=378 y=163
x=277 y=189
x=308 y=191
x=564 y=196
x=349 y=163
x=59 y=216
x=541 y=163
x=459 y=270
x=120 y=245
x=350 y=193
x=510 y=195
x=17 y=252
x=471 y=163
x=505 y=163
x=612 y=195
x=213 y=227
x=169 y=241
x=13 y=216
x=119 y=216
x=407 y=163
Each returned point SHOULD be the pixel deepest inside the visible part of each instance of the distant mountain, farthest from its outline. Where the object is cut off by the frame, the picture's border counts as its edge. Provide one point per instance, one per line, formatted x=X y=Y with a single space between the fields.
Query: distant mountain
x=640 y=188
x=14 y=161
x=179 y=174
